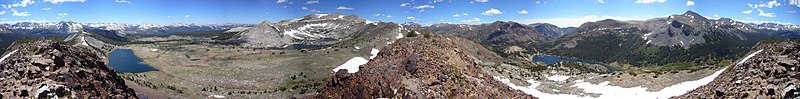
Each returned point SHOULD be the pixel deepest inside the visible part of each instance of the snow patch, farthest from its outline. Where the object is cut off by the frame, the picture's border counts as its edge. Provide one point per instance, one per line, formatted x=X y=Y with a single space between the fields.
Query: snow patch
x=740 y=61
x=374 y=53
x=216 y=96
x=607 y=91
x=399 y=35
x=6 y=56
x=558 y=78
x=357 y=47
x=83 y=41
x=352 y=65
x=321 y=15
x=645 y=35
x=302 y=32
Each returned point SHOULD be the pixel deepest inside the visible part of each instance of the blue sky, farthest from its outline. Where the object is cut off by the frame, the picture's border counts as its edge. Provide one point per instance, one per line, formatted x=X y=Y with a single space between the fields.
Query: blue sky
x=559 y=12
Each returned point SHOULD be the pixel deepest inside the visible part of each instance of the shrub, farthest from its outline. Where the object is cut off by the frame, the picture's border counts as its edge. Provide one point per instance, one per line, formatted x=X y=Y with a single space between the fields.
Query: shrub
x=426 y=34
x=411 y=34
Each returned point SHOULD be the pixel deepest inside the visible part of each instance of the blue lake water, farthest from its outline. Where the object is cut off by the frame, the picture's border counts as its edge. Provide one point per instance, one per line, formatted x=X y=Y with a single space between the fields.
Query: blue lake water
x=123 y=60
x=555 y=59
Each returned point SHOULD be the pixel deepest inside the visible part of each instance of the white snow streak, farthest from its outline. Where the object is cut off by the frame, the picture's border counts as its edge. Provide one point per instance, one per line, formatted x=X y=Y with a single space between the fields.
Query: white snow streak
x=6 y=56
x=558 y=78
x=607 y=91
x=748 y=57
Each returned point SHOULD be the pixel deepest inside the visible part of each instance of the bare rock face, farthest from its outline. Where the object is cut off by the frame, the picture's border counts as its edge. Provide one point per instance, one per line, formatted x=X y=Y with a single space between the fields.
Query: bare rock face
x=48 y=69
x=417 y=67
x=772 y=73
x=318 y=29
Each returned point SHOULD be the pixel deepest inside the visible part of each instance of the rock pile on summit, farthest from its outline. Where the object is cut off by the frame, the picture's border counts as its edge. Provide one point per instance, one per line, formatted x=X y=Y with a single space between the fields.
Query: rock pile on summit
x=417 y=67
x=48 y=69
x=765 y=75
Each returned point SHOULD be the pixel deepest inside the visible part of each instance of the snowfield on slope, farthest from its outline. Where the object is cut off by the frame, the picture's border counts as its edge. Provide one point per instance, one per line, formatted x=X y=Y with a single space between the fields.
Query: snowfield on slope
x=6 y=56
x=618 y=92
x=352 y=65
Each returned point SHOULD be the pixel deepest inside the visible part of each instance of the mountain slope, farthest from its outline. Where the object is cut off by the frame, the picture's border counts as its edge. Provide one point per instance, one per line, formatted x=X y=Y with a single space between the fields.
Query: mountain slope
x=417 y=67
x=319 y=30
x=501 y=35
x=770 y=67
x=688 y=37
x=44 y=69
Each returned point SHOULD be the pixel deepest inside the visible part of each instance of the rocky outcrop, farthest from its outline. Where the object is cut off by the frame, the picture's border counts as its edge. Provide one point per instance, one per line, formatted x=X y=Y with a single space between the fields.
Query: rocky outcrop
x=48 y=69
x=417 y=67
x=319 y=30
x=765 y=75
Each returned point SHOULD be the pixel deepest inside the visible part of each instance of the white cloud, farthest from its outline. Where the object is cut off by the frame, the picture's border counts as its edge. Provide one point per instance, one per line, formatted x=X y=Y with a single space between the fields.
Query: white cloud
x=747 y=11
x=23 y=3
x=481 y=0
x=378 y=14
x=791 y=11
x=577 y=21
x=769 y=4
x=598 y=1
x=169 y=17
x=281 y=1
x=435 y=1
x=411 y=18
x=404 y=4
x=46 y=8
x=471 y=20
x=689 y=3
x=17 y=13
x=794 y=2
x=388 y=16
x=61 y=15
x=312 y=2
x=458 y=15
x=344 y=8
x=491 y=12
x=424 y=7
x=62 y=1
x=187 y=16
x=308 y=9
x=523 y=12
x=761 y=13
x=650 y=1
x=2 y=12
x=122 y=1
x=716 y=16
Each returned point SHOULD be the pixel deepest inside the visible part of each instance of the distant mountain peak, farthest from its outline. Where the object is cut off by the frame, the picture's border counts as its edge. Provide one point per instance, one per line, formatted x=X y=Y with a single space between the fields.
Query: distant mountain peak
x=690 y=12
x=693 y=15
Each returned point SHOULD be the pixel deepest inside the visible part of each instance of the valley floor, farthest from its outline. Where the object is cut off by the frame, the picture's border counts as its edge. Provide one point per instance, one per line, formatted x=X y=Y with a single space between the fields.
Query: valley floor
x=209 y=70
x=204 y=70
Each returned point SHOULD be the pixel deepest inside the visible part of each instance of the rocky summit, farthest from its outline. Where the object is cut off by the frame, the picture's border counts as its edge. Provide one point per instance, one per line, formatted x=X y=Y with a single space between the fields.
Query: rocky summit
x=49 y=69
x=770 y=71
x=418 y=67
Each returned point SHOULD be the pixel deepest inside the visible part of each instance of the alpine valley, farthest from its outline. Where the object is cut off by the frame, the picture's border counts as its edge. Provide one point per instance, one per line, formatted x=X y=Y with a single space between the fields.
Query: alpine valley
x=338 y=55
